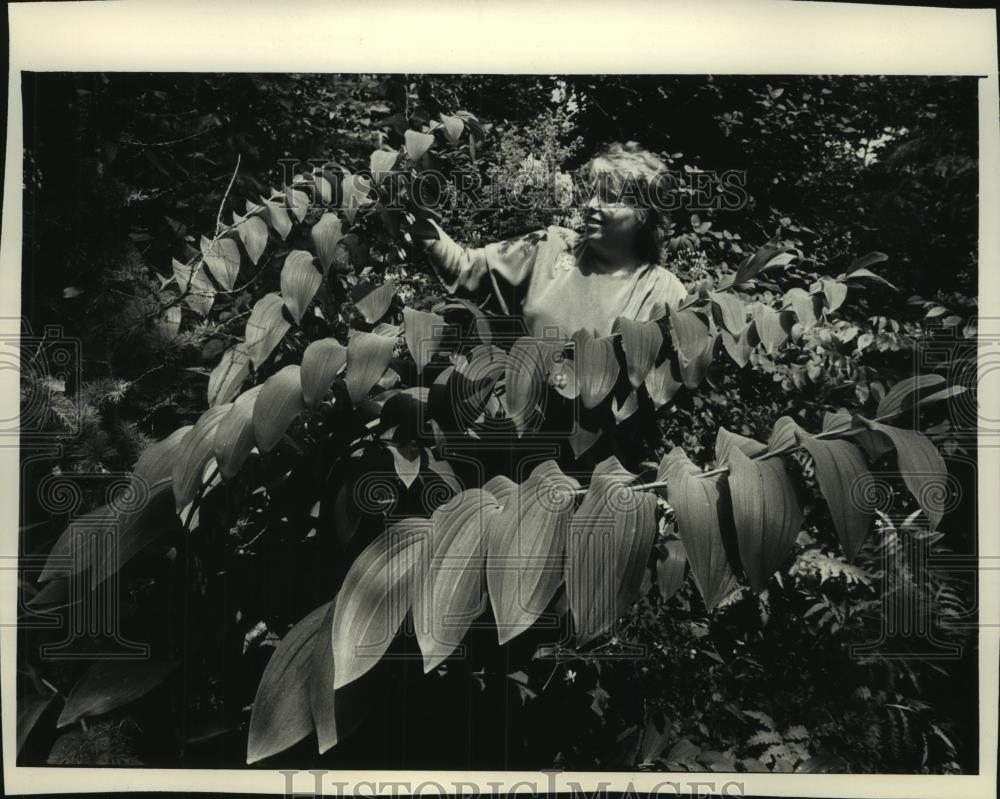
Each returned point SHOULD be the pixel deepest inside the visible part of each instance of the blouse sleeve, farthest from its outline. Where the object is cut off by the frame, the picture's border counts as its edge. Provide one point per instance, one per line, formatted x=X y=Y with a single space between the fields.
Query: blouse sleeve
x=670 y=291
x=471 y=271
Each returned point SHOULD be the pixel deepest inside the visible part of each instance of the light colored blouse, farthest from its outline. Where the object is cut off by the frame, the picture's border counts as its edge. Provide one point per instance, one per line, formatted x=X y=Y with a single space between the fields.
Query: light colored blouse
x=538 y=275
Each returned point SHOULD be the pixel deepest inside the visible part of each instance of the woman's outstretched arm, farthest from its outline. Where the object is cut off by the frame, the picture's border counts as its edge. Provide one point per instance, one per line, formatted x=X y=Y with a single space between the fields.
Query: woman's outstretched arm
x=474 y=271
x=461 y=269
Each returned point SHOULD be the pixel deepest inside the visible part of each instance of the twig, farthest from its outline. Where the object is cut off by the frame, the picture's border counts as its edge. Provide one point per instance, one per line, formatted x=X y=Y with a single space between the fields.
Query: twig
x=553 y=674
x=219 y=232
x=229 y=188
x=137 y=143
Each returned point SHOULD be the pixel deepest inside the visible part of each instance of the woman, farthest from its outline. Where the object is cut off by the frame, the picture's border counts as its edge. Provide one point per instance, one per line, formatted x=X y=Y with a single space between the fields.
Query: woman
x=560 y=280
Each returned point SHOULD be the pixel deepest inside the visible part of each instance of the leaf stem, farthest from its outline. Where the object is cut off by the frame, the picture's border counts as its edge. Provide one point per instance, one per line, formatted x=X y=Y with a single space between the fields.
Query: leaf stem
x=197 y=500
x=823 y=436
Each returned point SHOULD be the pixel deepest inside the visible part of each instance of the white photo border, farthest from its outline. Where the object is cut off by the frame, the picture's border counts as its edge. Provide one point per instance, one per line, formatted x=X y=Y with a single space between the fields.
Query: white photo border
x=569 y=36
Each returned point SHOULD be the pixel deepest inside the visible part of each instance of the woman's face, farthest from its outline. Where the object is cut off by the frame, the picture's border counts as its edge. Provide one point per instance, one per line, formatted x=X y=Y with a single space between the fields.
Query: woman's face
x=611 y=221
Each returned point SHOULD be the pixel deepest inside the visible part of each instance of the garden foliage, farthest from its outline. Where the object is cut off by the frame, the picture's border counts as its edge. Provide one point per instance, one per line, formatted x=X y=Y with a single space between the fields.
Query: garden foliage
x=708 y=553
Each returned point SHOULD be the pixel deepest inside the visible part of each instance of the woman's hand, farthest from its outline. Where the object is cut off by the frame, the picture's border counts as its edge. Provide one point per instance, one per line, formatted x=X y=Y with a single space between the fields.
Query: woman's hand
x=421 y=231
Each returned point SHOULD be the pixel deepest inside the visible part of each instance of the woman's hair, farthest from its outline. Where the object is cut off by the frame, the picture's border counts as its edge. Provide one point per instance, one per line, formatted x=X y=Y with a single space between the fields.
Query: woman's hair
x=640 y=177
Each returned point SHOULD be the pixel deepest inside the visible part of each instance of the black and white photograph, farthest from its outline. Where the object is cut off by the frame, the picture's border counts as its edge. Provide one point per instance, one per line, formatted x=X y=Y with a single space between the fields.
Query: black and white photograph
x=534 y=421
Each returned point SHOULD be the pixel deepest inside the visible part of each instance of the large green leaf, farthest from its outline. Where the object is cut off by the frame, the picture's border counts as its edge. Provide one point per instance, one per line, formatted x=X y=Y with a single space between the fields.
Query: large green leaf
x=663 y=382
x=835 y=292
x=253 y=233
x=592 y=552
x=452 y=406
x=641 y=342
x=323 y=699
x=766 y=257
x=222 y=259
x=277 y=215
x=368 y=356
x=729 y=311
x=375 y=596
x=670 y=569
x=476 y=382
x=772 y=326
x=702 y=512
x=157 y=460
x=453 y=127
x=449 y=595
x=73 y=552
x=195 y=286
x=229 y=374
x=527 y=365
x=138 y=517
x=609 y=541
x=325 y=181
x=417 y=144
x=169 y=323
x=783 y=435
x=326 y=235
x=904 y=395
x=804 y=306
x=840 y=422
x=139 y=527
x=766 y=510
x=586 y=433
x=750 y=447
x=527 y=542
x=922 y=467
x=406 y=410
x=265 y=328
x=279 y=402
x=107 y=537
x=941 y=395
x=373 y=301
x=382 y=163
x=196 y=449
x=638 y=531
x=739 y=347
x=446 y=474
x=867 y=274
x=623 y=408
x=596 y=367
x=321 y=362
x=300 y=281
x=694 y=370
x=298 y=203
x=355 y=191
x=282 y=714
x=690 y=333
x=234 y=437
x=867 y=260
x=336 y=714
x=109 y=684
x=406 y=460
x=501 y=488
x=846 y=484
x=423 y=332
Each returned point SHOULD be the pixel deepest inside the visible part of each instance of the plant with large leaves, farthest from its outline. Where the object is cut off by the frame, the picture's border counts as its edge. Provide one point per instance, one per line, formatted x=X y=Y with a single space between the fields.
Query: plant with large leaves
x=561 y=539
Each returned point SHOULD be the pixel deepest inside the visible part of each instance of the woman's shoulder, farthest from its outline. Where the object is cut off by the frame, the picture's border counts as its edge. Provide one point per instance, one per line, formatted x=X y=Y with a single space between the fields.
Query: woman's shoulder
x=562 y=235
